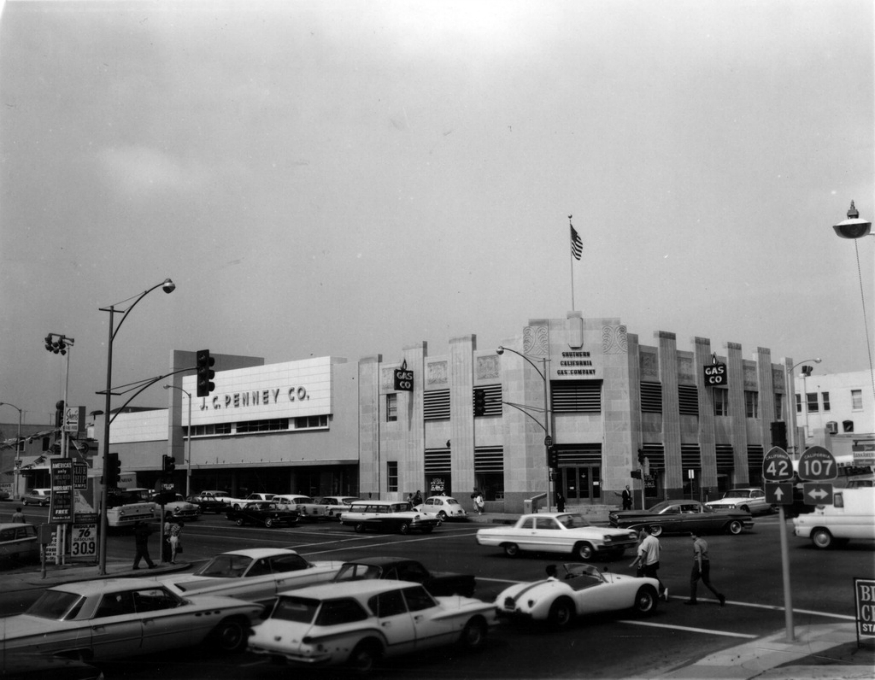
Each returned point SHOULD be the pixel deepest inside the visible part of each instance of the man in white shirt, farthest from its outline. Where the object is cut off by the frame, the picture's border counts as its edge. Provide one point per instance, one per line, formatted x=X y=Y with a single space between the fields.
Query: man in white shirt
x=648 y=560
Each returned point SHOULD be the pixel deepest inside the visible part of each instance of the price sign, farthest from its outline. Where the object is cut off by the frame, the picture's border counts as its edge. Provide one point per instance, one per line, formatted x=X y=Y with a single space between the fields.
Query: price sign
x=84 y=543
x=777 y=466
x=817 y=465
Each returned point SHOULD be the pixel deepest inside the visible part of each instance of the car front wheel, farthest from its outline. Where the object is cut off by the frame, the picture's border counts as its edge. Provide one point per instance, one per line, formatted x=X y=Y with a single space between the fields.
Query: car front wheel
x=268 y=523
x=822 y=539
x=404 y=528
x=239 y=521
x=735 y=527
x=561 y=613
x=511 y=549
x=230 y=636
x=474 y=634
x=656 y=530
x=584 y=552
x=359 y=528
x=645 y=600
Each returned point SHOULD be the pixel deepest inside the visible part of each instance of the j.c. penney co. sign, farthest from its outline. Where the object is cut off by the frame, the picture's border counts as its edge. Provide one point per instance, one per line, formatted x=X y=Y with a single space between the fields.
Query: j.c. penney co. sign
x=256 y=398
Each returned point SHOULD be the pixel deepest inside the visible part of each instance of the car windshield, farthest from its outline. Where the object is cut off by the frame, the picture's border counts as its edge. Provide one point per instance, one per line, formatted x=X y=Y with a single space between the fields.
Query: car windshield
x=298 y=609
x=737 y=494
x=572 y=521
x=54 y=604
x=451 y=501
x=355 y=572
x=225 y=566
x=660 y=507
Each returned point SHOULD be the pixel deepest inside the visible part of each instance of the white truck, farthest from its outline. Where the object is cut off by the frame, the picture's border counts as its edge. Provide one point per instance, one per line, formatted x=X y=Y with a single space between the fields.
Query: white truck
x=851 y=516
x=125 y=507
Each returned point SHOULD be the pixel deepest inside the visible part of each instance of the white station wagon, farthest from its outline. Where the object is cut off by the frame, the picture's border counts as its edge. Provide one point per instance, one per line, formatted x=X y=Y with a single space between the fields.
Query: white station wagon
x=355 y=623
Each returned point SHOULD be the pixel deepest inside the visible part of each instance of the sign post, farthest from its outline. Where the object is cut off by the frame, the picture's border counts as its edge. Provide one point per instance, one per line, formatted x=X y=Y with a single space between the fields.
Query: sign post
x=778 y=467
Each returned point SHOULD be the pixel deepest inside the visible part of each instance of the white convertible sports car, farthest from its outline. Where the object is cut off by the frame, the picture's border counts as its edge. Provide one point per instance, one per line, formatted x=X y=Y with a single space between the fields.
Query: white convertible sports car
x=255 y=574
x=582 y=590
x=559 y=532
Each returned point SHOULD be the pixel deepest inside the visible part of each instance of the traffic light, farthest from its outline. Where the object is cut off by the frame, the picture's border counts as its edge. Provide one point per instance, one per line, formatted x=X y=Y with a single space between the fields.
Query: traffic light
x=205 y=373
x=640 y=457
x=479 y=402
x=169 y=464
x=807 y=370
x=59 y=414
x=553 y=457
x=636 y=474
x=779 y=434
x=112 y=472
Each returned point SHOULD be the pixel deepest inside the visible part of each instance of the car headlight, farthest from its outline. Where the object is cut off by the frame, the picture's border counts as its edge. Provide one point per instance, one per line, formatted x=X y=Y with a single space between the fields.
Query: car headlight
x=608 y=539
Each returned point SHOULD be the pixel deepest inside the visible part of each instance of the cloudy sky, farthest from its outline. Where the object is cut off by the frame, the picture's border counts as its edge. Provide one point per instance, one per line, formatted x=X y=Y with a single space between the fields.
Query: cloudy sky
x=347 y=178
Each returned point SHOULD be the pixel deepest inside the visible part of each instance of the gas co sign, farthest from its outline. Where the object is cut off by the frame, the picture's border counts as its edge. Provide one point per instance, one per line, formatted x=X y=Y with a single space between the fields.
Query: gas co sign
x=715 y=374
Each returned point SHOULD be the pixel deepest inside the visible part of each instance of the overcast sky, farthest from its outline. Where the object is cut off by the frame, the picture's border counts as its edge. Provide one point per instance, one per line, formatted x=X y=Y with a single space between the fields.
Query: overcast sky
x=347 y=178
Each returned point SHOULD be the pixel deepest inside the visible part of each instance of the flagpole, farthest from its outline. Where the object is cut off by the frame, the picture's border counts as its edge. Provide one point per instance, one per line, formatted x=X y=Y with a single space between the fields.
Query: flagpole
x=571 y=260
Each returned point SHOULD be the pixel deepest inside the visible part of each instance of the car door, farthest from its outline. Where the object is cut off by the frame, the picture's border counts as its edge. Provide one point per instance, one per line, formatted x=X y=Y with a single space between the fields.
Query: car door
x=116 y=630
x=395 y=621
x=696 y=519
x=167 y=622
x=431 y=630
x=549 y=536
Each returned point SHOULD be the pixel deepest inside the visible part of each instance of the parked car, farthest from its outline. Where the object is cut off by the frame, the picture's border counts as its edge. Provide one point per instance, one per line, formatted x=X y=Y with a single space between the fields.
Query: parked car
x=291 y=501
x=37 y=497
x=208 y=502
x=559 y=532
x=329 y=507
x=182 y=509
x=678 y=516
x=851 y=516
x=356 y=623
x=120 y=618
x=18 y=544
x=443 y=507
x=582 y=589
x=387 y=516
x=747 y=499
x=263 y=512
x=255 y=574
x=236 y=503
x=402 y=569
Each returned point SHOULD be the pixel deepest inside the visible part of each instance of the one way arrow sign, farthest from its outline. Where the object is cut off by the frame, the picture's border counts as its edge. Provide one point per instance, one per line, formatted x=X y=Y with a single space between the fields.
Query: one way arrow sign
x=779 y=494
x=817 y=494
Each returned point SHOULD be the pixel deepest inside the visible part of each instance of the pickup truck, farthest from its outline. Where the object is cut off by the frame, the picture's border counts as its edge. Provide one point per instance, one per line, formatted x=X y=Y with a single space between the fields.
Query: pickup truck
x=329 y=507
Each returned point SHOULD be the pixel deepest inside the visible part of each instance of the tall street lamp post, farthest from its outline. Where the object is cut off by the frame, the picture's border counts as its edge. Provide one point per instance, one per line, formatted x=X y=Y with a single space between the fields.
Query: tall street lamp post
x=548 y=440
x=188 y=455
x=790 y=375
x=15 y=493
x=168 y=286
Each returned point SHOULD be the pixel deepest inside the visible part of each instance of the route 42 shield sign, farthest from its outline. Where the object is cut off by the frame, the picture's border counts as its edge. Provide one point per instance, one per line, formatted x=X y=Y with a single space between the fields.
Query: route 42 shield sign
x=777 y=466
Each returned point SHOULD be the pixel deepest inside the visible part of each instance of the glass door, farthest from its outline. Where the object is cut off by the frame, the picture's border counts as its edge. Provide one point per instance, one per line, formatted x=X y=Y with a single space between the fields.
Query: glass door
x=582 y=483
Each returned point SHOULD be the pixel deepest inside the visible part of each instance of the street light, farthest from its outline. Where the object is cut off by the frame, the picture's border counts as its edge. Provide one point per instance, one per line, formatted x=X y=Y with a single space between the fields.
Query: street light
x=803 y=401
x=168 y=286
x=188 y=462
x=548 y=440
x=15 y=493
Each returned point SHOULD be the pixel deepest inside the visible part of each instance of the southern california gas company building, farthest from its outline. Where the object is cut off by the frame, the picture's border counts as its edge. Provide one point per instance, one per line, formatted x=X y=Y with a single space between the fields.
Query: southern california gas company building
x=473 y=417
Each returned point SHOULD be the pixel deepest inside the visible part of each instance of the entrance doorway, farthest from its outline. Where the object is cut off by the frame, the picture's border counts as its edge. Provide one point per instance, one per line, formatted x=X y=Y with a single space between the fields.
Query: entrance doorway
x=582 y=483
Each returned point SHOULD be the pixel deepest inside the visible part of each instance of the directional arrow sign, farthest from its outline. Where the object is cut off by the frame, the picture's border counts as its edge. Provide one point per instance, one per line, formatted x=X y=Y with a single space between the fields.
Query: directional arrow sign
x=779 y=494
x=817 y=465
x=817 y=494
x=777 y=466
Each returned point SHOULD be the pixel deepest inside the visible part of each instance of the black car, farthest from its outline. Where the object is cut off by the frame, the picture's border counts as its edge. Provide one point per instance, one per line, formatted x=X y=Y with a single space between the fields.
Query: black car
x=208 y=502
x=438 y=583
x=265 y=513
x=682 y=516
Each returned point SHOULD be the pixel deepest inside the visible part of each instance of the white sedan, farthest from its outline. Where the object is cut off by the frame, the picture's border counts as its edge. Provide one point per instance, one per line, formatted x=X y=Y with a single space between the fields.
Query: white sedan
x=559 y=532
x=747 y=499
x=582 y=589
x=442 y=507
x=120 y=618
x=255 y=574
x=355 y=623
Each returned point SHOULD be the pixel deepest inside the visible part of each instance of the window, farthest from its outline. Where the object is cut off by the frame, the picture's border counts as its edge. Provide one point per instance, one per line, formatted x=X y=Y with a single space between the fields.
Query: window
x=651 y=397
x=751 y=404
x=391 y=475
x=418 y=599
x=388 y=604
x=688 y=400
x=779 y=406
x=436 y=405
x=721 y=402
x=337 y=612
x=391 y=408
x=811 y=402
x=857 y=400
x=825 y=397
x=798 y=403
x=309 y=422
x=576 y=397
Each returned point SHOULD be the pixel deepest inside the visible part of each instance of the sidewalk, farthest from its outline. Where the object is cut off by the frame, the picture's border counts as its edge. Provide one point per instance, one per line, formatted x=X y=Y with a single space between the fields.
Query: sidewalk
x=30 y=577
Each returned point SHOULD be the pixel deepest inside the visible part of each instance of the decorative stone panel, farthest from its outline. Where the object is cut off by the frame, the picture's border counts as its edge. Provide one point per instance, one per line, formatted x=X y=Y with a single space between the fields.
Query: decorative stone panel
x=536 y=340
x=487 y=367
x=614 y=340
x=437 y=374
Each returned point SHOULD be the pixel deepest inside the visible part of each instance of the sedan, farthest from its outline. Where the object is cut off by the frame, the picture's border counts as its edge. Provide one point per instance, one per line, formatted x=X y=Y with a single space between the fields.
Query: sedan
x=558 y=532
x=118 y=618
x=443 y=507
x=402 y=569
x=37 y=497
x=208 y=502
x=583 y=590
x=747 y=499
x=182 y=509
x=255 y=574
x=681 y=516
x=263 y=513
x=355 y=624
x=18 y=544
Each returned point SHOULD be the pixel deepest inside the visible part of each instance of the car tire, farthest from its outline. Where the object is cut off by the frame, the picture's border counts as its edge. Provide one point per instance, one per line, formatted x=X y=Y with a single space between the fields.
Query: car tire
x=268 y=523
x=822 y=539
x=364 y=657
x=656 y=530
x=239 y=522
x=442 y=516
x=584 y=552
x=511 y=549
x=230 y=636
x=404 y=529
x=359 y=527
x=734 y=527
x=473 y=635
x=646 y=600
x=744 y=508
x=561 y=613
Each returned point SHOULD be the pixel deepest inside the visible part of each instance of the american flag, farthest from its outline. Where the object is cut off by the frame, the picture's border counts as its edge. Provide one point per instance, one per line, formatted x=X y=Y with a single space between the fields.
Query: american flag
x=576 y=243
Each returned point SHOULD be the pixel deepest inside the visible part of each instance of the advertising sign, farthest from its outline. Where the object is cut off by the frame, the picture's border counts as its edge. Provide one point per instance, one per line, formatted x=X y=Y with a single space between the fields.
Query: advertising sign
x=403 y=380
x=80 y=475
x=84 y=540
x=864 y=598
x=715 y=374
x=61 y=509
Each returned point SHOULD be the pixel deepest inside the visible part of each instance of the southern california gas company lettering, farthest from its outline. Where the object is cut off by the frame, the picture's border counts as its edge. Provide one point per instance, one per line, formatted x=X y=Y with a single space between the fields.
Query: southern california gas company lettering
x=575 y=359
x=255 y=398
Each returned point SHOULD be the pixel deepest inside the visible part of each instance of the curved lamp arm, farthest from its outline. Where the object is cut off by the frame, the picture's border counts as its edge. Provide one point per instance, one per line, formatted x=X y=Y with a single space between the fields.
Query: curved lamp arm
x=166 y=284
x=501 y=350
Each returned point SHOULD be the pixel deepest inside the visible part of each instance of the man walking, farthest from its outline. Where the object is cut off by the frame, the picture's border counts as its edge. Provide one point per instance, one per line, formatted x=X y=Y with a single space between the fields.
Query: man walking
x=627 y=498
x=141 y=539
x=18 y=517
x=648 y=560
x=701 y=570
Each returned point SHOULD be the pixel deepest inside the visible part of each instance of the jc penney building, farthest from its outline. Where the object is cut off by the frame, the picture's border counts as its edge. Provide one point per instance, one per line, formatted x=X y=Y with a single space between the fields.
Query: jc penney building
x=328 y=426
